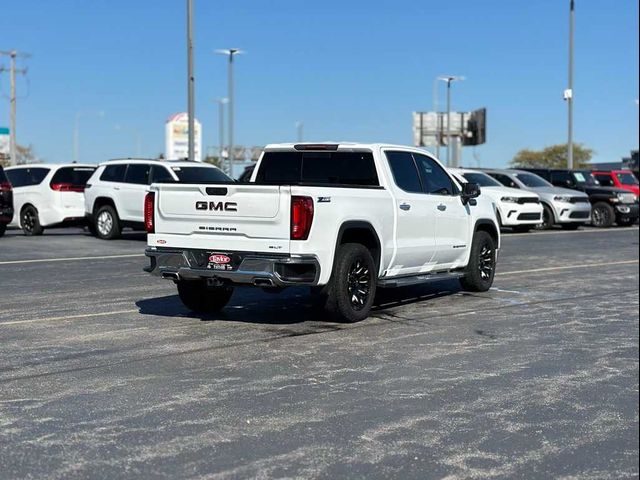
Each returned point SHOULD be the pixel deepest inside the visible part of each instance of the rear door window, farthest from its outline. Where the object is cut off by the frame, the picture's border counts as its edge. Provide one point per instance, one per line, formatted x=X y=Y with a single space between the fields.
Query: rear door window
x=138 y=173
x=405 y=172
x=160 y=174
x=435 y=180
x=114 y=173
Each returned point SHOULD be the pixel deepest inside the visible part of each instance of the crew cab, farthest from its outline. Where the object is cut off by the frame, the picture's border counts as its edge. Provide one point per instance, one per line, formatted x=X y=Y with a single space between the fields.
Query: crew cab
x=6 y=202
x=609 y=204
x=343 y=219
x=520 y=210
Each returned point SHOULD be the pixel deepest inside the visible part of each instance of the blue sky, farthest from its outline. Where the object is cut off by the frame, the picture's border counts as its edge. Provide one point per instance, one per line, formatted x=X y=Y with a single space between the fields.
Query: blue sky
x=350 y=70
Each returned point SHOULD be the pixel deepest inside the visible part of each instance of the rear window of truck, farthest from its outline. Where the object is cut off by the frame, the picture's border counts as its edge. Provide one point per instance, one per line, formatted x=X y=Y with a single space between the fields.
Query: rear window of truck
x=201 y=175
x=353 y=169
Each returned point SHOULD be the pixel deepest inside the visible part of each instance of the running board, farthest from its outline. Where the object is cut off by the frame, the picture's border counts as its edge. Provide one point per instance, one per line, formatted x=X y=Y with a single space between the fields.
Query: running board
x=394 y=282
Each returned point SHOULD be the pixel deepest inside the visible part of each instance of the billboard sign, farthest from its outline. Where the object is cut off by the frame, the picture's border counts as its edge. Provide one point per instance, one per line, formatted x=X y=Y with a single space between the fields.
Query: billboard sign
x=177 y=137
x=430 y=128
x=4 y=142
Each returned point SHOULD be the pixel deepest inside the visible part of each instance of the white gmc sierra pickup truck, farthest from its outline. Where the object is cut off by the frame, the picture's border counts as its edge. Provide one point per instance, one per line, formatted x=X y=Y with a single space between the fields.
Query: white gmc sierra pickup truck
x=340 y=218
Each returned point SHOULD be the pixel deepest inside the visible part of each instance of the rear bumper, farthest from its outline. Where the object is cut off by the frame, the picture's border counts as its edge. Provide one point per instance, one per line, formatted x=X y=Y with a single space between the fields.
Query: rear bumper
x=6 y=214
x=262 y=270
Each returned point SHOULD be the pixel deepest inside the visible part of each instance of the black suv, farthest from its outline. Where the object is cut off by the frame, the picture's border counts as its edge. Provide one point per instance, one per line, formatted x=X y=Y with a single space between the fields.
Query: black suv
x=6 y=201
x=608 y=204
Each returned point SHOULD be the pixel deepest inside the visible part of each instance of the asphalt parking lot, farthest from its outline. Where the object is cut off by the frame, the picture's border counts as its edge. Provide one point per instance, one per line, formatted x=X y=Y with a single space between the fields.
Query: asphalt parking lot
x=104 y=374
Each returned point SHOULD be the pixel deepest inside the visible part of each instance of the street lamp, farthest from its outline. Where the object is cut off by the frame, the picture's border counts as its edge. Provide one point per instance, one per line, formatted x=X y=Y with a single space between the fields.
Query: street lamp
x=76 y=133
x=449 y=79
x=230 y=52
x=221 y=103
x=568 y=93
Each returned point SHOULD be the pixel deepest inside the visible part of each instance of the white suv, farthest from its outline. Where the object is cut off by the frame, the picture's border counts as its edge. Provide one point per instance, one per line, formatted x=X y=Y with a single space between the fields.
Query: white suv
x=114 y=196
x=520 y=210
x=46 y=195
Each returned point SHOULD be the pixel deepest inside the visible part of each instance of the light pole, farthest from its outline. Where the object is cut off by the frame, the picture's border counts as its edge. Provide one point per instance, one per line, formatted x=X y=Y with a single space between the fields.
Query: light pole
x=221 y=102
x=435 y=109
x=230 y=52
x=76 y=134
x=449 y=79
x=190 y=83
x=299 y=130
x=568 y=94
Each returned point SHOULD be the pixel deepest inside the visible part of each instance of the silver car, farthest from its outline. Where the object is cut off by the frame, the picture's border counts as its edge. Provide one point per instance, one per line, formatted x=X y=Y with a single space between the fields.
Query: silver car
x=568 y=208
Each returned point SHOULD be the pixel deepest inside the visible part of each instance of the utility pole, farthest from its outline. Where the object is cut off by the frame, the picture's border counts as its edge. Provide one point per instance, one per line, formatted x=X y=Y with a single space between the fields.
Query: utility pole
x=190 y=82
x=223 y=163
x=12 y=54
x=449 y=79
x=568 y=94
x=435 y=109
x=230 y=52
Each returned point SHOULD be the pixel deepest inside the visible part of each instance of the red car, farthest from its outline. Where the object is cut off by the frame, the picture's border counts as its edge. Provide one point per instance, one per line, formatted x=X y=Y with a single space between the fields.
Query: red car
x=624 y=179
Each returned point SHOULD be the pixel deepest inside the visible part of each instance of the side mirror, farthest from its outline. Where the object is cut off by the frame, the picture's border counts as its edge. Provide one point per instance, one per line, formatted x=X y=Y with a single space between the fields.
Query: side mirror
x=469 y=191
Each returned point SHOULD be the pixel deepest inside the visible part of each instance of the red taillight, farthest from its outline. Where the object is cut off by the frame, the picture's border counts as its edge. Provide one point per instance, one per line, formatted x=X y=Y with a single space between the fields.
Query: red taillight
x=5 y=187
x=149 y=201
x=301 y=217
x=67 y=187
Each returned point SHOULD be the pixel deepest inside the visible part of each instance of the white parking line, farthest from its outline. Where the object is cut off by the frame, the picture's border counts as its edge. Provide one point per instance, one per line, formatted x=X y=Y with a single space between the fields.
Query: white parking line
x=564 y=232
x=69 y=317
x=567 y=267
x=69 y=259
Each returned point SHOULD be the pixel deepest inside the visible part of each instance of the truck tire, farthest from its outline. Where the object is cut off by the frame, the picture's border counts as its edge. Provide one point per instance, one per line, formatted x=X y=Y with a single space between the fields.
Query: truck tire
x=107 y=223
x=199 y=298
x=602 y=215
x=3 y=228
x=30 y=222
x=352 y=287
x=481 y=269
x=547 y=218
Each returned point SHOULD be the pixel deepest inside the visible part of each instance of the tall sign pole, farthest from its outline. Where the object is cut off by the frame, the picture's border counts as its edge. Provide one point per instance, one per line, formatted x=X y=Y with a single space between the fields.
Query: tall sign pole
x=190 y=82
x=569 y=92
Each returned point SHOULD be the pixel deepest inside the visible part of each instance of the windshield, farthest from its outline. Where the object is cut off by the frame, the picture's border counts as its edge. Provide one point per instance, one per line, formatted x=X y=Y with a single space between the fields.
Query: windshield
x=627 y=178
x=481 y=179
x=200 y=175
x=585 y=178
x=532 y=181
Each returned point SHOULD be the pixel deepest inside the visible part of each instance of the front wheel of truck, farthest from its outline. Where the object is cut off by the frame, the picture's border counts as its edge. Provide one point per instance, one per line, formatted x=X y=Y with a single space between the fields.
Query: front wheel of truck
x=199 y=298
x=352 y=288
x=481 y=269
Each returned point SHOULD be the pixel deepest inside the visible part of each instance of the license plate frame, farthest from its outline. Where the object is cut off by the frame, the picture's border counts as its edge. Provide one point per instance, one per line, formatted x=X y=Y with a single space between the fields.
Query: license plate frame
x=219 y=261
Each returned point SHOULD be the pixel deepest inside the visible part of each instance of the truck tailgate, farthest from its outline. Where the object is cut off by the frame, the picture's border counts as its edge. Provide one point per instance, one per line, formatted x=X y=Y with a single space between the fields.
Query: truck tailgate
x=224 y=217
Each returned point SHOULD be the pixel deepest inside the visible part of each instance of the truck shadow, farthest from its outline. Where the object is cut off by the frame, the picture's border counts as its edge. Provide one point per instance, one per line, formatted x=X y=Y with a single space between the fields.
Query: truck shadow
x=293 y=306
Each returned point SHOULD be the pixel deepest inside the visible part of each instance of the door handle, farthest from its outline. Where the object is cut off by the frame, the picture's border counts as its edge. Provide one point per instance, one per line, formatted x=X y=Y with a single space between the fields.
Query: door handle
x=405 y=206
x=442 y=207
x=116 y=188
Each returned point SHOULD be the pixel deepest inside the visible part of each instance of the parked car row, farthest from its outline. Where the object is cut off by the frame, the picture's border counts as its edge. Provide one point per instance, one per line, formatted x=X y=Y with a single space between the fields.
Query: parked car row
x=109 y=197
